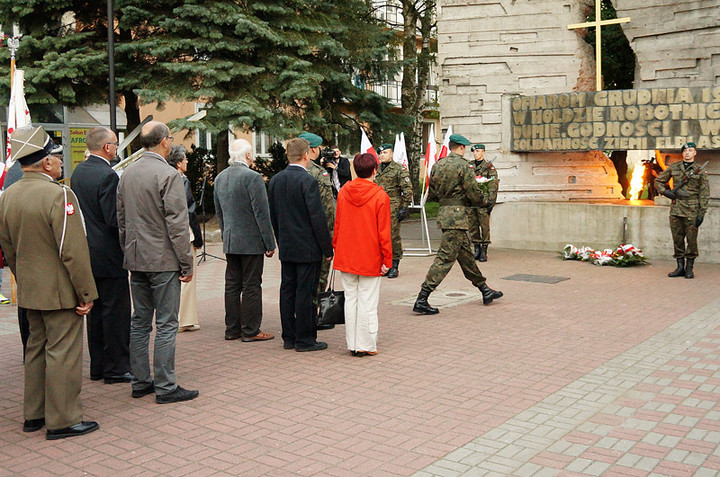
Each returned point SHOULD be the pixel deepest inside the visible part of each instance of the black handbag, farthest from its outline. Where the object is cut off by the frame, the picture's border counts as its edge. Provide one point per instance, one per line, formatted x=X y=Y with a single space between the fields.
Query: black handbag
x=332 y=305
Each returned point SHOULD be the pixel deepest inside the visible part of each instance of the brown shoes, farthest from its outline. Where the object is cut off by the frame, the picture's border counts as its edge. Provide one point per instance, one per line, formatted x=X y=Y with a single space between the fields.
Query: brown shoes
x=262 y=336
x=363 y=353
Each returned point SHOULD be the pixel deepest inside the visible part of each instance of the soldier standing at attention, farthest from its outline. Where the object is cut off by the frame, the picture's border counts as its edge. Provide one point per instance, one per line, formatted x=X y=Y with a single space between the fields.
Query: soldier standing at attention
x=453 y=185
x=328 y=201
x=394 y=178
x=689 y=204
x=480 y=216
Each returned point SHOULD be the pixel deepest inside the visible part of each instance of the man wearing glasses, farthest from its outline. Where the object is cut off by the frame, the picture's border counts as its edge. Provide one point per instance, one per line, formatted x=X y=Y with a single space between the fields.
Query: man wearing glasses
x=154 y=234
x=108 y=325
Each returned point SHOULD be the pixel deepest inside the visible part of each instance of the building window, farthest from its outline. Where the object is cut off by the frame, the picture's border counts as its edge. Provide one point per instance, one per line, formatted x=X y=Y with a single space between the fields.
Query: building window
x=262 y=143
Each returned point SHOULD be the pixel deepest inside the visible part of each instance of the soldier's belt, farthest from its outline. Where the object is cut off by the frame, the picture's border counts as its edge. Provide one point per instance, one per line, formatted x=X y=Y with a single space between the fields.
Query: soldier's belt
x=444 y=202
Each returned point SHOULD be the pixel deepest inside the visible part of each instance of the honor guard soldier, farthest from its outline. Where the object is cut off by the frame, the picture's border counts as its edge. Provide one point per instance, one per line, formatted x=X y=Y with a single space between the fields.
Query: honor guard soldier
x=328 y=201
x=690 y=197
x=453 y=186
x=479 y=217
x=43 y=236
x=394 y=178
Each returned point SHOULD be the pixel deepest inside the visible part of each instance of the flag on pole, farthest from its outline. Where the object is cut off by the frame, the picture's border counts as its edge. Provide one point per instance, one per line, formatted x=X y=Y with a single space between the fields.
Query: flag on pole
x=18 y=117
x=399 y=151
x=430 y=152
x=445 y=150
x=366 y=146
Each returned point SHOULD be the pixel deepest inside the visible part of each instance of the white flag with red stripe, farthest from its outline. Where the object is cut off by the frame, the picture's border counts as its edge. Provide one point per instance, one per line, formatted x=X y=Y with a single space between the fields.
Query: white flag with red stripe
x=366 y=146
x=18 y=117
x=445 y=149
x=430 y=152
x=399 y=151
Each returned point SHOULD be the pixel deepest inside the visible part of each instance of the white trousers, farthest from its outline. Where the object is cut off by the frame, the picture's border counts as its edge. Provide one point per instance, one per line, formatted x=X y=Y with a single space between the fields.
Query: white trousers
x=188 y=314
x=361 y=318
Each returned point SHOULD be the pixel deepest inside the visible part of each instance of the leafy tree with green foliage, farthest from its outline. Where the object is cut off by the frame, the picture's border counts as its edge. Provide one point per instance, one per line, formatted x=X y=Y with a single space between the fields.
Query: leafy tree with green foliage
x=277 y=66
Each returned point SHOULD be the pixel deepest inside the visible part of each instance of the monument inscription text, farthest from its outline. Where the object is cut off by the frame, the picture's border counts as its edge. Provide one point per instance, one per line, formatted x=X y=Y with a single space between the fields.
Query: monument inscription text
x=661 y=118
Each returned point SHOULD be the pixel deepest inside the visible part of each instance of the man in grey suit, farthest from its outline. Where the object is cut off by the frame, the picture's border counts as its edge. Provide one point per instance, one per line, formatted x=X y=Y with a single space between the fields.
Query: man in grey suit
x=243 y=214
x=154 y=234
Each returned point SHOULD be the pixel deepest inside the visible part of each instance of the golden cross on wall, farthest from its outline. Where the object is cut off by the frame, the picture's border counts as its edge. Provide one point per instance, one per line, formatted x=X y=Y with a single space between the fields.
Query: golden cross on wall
x=598 y=24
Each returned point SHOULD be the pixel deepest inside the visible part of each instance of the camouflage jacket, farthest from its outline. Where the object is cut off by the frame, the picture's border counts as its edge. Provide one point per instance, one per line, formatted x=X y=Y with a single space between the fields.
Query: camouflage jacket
x=326 y=195
x=697 y=186
x=486 y=169
x=453 y=186
x=396 y=182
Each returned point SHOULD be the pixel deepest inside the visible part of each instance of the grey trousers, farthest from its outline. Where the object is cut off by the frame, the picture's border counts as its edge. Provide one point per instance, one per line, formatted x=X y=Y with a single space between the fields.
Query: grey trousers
x=155 y=293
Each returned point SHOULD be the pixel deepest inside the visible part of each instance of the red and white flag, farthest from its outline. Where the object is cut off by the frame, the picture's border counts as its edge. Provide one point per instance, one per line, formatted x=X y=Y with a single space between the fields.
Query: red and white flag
x=366 y=146
x=445 y=150
x=399 y=151
x=18 y=117
x=430 y=152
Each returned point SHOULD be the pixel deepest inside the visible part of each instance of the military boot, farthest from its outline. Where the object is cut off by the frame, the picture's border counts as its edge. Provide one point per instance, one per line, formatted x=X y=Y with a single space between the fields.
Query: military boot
x=689 y=268
x=680 y=270
x=483 y=252
x=393 y=272
x=489 y=294
x=477 y=252
x=422 y=306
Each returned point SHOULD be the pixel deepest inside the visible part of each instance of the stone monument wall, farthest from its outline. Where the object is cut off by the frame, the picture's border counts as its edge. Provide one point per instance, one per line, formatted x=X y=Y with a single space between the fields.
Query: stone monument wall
x=490 y=50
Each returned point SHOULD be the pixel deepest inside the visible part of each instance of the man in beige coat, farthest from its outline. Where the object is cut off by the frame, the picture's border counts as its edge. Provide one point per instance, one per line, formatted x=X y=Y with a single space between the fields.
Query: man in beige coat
x=155 y=237
x=43 y=237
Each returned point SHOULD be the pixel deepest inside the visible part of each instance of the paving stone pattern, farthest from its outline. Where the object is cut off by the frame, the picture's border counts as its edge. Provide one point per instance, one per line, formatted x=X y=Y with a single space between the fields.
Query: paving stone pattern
x=612 y=372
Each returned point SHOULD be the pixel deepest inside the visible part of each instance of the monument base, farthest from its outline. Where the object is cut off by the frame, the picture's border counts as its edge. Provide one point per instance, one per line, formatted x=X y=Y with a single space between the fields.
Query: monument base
x=551 y=225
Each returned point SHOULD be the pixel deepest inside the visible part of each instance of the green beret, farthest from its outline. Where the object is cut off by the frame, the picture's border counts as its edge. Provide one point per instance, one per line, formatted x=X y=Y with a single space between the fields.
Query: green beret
x=687 y=145
x=458 y=139
x=384 y=147
x=477 y=146
x=313 y=139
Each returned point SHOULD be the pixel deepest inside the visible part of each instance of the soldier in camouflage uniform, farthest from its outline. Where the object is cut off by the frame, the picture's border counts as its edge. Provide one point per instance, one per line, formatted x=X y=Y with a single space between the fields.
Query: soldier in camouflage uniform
x=479 y=216
x=689 y=204
x=328 y=200
x=394 y=178
x=453 y=185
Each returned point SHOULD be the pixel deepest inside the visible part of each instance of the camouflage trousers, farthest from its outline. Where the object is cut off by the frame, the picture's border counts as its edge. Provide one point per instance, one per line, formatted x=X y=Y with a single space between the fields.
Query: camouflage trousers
x=455 y=246
x=683 y=229
x=397 y=248
x=479 y=221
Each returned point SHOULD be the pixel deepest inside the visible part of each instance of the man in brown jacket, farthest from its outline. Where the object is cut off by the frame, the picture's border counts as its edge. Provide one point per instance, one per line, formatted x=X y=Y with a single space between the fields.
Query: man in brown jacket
x=43 y=237
x=154 y=234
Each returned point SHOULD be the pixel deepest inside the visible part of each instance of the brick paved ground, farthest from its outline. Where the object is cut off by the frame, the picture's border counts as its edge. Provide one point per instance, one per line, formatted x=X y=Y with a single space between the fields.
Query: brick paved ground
x=612 y=372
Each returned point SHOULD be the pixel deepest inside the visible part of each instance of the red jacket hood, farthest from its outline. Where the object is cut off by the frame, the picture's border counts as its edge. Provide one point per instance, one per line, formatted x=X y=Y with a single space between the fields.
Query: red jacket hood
x=359 y=191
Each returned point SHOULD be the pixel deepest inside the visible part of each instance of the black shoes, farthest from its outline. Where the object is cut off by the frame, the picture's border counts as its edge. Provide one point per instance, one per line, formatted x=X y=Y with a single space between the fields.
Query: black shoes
x=288 y=345
x=680 y=270
x=138 y=393
x=483 y=253
x=79 y=429
x=689 y=263
x=178 y=395
x=230 y=336
x=319 y=345
x=325 y=327
x=123 y=378
x=489 y=294
x=422 y=306
x=393 y=272
x=32 y=425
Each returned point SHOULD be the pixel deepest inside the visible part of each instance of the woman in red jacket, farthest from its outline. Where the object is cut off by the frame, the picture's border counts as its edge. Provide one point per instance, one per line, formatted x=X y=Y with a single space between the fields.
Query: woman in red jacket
x=363 y=252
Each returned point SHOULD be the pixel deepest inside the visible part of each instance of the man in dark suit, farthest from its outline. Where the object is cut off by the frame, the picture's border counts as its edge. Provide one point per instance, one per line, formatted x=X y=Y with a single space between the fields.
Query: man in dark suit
x=108 y=325
x=302 y=234
x=42 y=235
x=243 y=214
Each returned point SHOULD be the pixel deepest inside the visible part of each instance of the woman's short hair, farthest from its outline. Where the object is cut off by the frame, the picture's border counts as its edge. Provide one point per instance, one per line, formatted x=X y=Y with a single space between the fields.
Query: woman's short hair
x=177 y=154
x=365 y=164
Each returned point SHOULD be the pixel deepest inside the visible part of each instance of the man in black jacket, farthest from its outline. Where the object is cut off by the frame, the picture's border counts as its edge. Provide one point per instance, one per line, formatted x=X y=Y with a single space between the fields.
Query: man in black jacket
x=303 y=238
x=108 y=325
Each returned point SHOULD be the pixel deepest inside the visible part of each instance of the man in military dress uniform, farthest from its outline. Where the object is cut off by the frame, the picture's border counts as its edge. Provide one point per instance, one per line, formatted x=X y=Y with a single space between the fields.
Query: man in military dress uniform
x=394 y=178
x=328 y=201
x=690 y=200
x=453 y=185
x=43 y=237
x=479 y=216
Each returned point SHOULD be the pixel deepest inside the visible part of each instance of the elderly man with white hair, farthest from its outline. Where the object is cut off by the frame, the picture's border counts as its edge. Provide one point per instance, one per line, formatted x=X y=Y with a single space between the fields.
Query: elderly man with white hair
x=243 y=214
